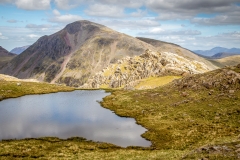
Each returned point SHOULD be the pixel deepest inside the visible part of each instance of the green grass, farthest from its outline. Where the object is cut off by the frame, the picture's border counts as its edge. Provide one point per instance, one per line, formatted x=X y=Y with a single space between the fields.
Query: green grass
x=10 y=89
x=76 y=148
x=153 y=82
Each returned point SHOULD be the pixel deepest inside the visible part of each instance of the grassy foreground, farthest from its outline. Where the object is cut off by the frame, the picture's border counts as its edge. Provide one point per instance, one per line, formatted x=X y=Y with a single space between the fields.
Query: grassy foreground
x=193 y=114
x=197 y=117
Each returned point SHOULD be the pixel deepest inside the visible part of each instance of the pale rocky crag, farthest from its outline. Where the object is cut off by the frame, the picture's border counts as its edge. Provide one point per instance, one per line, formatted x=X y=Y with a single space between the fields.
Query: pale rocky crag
x=129 y=70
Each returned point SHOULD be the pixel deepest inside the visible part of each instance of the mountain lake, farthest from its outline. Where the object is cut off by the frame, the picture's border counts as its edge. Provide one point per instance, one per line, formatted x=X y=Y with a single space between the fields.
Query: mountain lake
x=65 y=115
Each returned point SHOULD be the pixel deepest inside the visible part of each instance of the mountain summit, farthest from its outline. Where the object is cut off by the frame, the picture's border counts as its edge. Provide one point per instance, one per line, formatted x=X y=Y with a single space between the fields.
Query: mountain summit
x=75 y=54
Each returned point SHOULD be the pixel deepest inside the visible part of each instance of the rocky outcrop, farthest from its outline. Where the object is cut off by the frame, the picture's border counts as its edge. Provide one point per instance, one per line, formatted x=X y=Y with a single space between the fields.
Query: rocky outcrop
x=127 y=71
x=226 y=80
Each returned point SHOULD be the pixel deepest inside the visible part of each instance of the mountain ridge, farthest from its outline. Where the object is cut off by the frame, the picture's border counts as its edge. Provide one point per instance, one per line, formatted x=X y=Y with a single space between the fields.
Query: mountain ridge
x=5 y=53
x=217 y=50
x=80 y=50
x=18 y=50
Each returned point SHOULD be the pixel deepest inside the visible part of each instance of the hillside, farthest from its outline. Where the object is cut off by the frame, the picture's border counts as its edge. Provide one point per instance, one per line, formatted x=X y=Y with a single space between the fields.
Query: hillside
x=229 y=61
x=79 y=51
x=128 y=71
x=198 y=114
x=176 y=49
x=5 y=56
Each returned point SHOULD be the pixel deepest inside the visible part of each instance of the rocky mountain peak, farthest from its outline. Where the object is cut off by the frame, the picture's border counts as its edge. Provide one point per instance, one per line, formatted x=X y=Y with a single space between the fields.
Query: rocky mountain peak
x=78 y=26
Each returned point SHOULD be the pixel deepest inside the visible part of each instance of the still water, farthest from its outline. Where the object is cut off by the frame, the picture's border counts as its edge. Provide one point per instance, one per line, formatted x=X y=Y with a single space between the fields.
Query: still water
x=67 y=114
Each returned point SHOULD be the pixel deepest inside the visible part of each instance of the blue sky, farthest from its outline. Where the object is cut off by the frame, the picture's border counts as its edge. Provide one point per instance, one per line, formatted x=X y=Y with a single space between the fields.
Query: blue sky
x=193 y=24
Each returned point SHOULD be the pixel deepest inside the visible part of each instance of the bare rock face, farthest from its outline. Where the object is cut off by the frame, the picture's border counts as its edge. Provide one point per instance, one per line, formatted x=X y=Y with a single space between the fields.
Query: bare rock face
x=127 y=71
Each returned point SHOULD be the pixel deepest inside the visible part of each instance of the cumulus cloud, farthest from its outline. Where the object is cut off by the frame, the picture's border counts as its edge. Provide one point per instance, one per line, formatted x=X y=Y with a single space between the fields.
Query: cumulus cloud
x=33 y=36
x=101 y=10
x=230 y=19
x=12 y=21
x=191 y=6
x=3 y=37
x=67 y=4
x=6 y=1
x=187 y=9
x=67 y=18
x=228 y=40
x=160 y=31
x=139 y=13
x=122 y=3
x=38 y=26
x=33 y=4
x=56 y=12
x=141 y=24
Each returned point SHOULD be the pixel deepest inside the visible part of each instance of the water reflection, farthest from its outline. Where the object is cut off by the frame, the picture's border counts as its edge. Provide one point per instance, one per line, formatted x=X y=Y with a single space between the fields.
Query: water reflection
x=65 y=115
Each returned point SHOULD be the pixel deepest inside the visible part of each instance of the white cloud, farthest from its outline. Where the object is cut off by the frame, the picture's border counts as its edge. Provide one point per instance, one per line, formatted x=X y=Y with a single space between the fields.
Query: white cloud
x=228 y=40
x=2 y=37
x=67 y=18
x=134 y=25
x=6 y=1
x=156 y=30
x=12 y=21
x=33 y=36
x=67 y=4
x=139 y=13
x=232 y=19
x=226 y=12
x=38 y=26
x=56 y=12
x=122 y=3
x=160 y=31
x=101 y=10
x=33 y=4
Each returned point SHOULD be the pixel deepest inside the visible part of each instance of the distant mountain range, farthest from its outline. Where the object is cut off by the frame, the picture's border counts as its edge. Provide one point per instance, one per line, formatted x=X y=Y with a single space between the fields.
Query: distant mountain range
x=218 y=52
x=19 y=50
